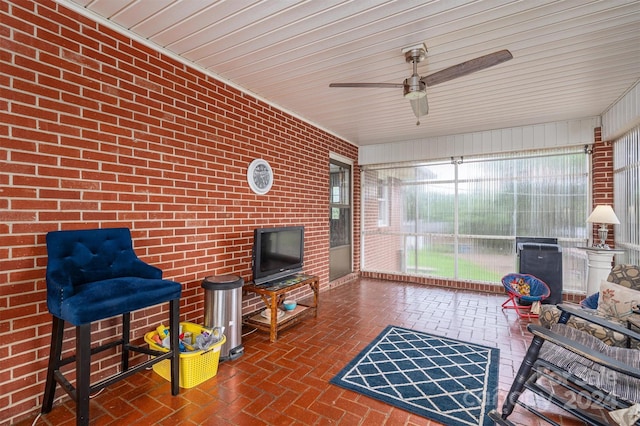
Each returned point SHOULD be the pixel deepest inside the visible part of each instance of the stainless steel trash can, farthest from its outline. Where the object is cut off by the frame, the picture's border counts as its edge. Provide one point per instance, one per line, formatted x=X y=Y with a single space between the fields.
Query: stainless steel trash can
x=223 y=308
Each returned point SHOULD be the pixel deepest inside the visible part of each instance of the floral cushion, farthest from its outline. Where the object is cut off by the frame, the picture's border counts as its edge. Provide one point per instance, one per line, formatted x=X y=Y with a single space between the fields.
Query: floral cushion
x=624 y=275
x=616 y=300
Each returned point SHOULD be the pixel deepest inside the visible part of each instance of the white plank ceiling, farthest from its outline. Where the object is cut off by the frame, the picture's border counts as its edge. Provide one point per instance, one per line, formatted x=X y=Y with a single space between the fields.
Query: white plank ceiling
x=572 y=58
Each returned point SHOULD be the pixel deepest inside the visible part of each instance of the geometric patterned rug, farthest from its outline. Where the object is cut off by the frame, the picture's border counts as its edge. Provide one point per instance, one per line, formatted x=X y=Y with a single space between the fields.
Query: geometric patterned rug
x=443 y=379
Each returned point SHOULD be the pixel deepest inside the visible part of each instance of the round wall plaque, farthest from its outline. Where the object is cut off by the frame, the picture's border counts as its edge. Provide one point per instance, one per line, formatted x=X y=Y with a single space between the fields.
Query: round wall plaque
x=260 y=176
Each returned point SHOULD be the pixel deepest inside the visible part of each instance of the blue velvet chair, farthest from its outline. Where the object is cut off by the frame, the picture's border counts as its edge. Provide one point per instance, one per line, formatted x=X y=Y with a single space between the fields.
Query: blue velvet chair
x=93 y=275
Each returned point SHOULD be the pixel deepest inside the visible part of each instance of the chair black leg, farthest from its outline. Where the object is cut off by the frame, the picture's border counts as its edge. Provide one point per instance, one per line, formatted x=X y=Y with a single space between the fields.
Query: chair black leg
x=521 y=378
x=126 y=331
x=174 y=326
x=82 y=389
x=564 y=317
x=83 y=373
x=55 y=352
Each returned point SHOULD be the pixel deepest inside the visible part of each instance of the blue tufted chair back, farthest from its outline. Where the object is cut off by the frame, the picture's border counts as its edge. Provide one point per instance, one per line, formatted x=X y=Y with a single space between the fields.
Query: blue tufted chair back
x=94 y=274
x=76 y=258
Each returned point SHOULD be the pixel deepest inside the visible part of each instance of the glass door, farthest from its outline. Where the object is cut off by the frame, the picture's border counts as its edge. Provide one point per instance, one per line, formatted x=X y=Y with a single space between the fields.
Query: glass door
x=340 y=251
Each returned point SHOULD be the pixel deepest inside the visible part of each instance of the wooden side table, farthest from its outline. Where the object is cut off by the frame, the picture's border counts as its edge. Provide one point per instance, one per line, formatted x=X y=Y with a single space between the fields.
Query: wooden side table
x=274 y=294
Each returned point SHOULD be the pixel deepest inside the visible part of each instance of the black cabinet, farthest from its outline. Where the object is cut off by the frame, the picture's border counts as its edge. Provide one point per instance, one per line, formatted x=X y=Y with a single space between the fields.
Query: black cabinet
x=544 y=261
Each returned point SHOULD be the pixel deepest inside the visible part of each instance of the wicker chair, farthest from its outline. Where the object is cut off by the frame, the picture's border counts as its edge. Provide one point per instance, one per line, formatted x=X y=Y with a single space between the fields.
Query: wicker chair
x=577 y=372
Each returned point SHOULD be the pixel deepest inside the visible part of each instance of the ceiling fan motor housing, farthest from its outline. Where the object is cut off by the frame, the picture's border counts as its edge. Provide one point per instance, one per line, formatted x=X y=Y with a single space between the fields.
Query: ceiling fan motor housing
x=414 y=88
x=415 y=53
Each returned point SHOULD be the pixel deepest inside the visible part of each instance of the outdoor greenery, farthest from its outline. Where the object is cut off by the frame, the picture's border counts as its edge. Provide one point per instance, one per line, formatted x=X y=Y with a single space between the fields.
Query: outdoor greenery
x=460 y=219
x=512 y=196
x=442 y=264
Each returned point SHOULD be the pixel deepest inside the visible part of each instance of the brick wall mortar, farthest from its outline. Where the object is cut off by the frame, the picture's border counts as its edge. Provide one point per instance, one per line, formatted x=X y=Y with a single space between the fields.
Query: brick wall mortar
x=97 y=130
x=602 y=180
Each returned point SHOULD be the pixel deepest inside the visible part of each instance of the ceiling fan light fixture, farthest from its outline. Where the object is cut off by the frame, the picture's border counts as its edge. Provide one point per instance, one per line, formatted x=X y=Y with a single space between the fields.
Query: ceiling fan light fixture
x=420 y=106
x=415 y=94
x=414 y=88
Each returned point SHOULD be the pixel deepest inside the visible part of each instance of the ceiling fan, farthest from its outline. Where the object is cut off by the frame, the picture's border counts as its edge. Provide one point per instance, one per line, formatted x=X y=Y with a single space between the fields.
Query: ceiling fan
x=415 y=87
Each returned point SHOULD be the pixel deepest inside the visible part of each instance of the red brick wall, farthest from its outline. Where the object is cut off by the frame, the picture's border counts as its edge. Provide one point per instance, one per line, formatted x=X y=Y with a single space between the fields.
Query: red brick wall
x=98 y=130
x=602 y=180
x=383 y=251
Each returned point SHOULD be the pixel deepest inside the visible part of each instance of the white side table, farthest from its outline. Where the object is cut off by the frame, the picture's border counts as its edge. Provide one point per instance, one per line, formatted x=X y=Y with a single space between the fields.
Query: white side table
x=599 y=263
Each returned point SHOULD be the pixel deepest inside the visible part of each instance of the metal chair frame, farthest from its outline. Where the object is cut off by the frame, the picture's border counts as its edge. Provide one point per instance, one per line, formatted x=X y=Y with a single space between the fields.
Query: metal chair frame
x=523 y=311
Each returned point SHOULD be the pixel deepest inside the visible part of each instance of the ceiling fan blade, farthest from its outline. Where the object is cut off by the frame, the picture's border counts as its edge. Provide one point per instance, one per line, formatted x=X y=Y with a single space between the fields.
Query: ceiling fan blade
x=382 y=85
x=467 y=67
x=420 y=106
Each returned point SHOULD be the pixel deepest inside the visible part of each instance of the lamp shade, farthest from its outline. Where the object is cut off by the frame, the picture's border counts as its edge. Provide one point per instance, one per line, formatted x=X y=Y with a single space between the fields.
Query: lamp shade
x=603 y=214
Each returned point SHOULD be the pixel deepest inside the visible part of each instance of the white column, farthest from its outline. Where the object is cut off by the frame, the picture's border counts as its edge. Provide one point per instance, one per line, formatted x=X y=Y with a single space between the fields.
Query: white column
x=599 y=263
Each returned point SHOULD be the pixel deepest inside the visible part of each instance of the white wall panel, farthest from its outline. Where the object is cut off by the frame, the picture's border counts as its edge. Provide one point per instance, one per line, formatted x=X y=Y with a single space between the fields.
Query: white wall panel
x=548 y=135
x=506 y=138
x=486 y=143
x=517 y=139
x=574 y=130
x=539 y=136
x=562 y=132
x=468 y=142
x=623 y=115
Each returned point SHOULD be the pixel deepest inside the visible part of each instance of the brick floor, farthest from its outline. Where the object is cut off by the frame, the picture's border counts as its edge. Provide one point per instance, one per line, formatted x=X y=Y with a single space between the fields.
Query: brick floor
x=287 y=382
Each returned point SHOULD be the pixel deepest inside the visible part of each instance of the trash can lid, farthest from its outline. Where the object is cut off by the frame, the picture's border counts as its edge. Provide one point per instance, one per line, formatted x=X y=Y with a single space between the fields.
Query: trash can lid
x=222 y=282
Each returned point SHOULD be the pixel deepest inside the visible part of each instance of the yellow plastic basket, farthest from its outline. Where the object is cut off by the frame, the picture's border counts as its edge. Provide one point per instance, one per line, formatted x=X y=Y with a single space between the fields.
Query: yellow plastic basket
x=195 y=367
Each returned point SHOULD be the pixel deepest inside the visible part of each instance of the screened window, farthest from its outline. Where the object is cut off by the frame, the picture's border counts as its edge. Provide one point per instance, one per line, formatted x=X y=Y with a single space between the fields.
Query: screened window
x=626 y=175
x=460 y=219
x=383 y=203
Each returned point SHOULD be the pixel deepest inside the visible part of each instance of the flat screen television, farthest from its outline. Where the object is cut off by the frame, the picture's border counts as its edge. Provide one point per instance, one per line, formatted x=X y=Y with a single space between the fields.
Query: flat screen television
x=277 y=253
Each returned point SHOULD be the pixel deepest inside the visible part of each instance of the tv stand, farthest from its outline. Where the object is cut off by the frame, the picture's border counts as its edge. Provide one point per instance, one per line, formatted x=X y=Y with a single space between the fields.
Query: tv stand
x=273 y=294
